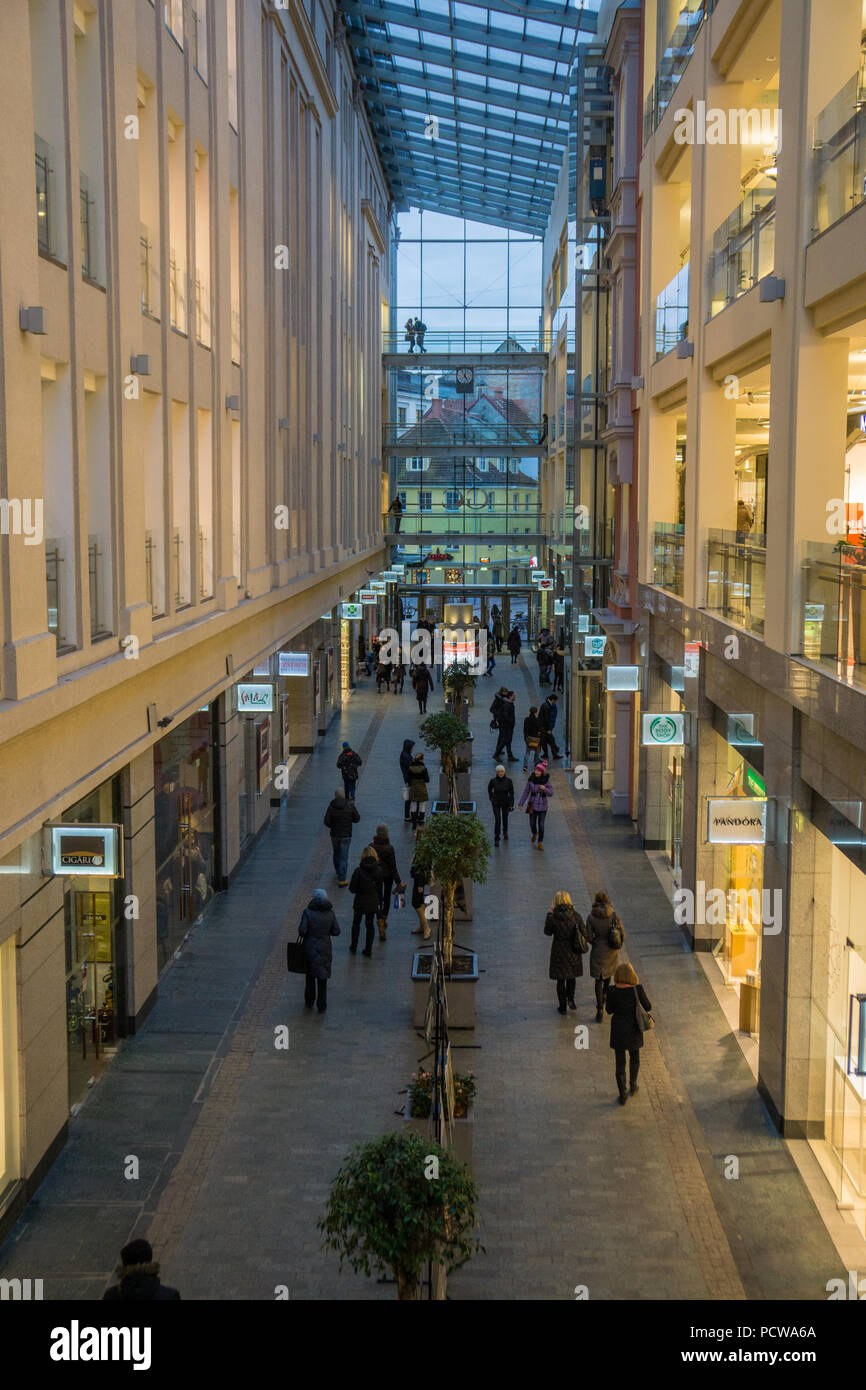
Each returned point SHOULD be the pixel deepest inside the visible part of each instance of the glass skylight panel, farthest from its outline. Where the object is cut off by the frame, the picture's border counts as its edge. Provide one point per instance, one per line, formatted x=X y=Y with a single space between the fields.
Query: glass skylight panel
x=400 y=31
x=437 y=70
x=470 y=50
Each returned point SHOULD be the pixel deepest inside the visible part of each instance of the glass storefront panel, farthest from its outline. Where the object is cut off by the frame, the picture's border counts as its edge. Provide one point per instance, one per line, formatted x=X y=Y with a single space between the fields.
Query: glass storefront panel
x=8 y=1068
x=738 y=948
x=183 y=779
x=92 y=909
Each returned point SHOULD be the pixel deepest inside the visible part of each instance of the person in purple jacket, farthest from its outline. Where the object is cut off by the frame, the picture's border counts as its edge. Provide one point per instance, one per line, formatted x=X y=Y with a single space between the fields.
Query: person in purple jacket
x=536 y=794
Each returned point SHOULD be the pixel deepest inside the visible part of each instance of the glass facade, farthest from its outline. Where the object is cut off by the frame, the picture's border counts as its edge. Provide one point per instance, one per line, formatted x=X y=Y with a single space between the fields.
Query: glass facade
x=184 y=828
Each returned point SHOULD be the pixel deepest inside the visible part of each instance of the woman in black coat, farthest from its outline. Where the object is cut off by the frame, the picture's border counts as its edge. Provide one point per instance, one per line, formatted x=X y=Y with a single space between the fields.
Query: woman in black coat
x=566 y=927
x=387 y=856
x=625 y=1036
x=405 y=764
x=365 y=884
x=318 y=924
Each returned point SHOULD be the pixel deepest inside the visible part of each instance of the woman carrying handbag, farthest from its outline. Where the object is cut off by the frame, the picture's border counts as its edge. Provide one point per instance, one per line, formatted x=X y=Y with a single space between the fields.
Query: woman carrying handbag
x=566 y=948
x=629 y=1009
x=318 y=924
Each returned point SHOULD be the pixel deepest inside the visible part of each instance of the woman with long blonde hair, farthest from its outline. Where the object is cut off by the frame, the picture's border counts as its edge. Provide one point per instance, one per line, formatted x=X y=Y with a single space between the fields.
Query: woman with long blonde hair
x=626 y=1036
x=566 y=927
x=365 y=885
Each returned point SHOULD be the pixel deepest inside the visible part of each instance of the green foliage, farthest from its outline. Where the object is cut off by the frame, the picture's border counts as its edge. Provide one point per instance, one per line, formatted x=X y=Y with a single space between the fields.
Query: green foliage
x=384 y=1216
x=444 y=732
x=454 y=847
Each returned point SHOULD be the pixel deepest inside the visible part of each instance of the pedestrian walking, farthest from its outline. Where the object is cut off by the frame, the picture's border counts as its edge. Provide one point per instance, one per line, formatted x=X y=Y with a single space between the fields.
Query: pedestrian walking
x=514 y=644
x=626 y=1034
x=419 y=897
x=545 y=665
x=318 y=924
x=536 y=794
x=340 y=816
x=409 y=334
x=398 y=676
x=547 y=712
x=505 y=718
x=605 y=934
x=558 y=668
x=364 y=885
x=138 y=1277
x=390 y=876
x=497 y=633
x=531 y=735
x=418 y=780
x=491 y=659
x=565 y=925
x=420 y=330
x=423 y=686
x=383 y=676
x=349 y=763
x=396 y=511
x=500 y=789
x=405 y=764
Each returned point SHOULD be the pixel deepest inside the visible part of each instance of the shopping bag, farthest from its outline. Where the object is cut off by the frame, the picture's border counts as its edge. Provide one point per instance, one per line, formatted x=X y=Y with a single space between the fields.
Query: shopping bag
x=296 y=957
x=399 y=901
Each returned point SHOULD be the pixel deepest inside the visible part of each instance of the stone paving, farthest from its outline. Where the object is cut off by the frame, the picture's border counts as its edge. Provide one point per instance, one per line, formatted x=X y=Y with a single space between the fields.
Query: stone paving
x=237 y=1140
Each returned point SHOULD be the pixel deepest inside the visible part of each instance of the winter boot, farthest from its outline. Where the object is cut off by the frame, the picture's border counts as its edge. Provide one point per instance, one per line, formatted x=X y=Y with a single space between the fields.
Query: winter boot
x=382 y=923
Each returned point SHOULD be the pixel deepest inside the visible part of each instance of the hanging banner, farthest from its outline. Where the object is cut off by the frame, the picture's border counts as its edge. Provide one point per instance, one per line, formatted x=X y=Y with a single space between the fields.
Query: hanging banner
x=662 y=728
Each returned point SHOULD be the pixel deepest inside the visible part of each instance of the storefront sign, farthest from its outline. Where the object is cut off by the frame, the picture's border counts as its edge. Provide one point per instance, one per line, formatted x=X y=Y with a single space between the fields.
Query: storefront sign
x=263 y=668
x=453 y=576
x=293 y=664
x=755 y=785
x=389 y=576
x=736 y=820
x=367 y=596
x=255 y=699
x=538 y=574
x=691 y=660
x=583 y=622
x=559 y=608
x=350 y=610
x=594 y=646
x=662 y=728
x=813 y=612
x=86 y=849
x=545 y=584
x=377 y=586
x=678 y=684
x=741 y=728
x=398 y=569
x=622 y=678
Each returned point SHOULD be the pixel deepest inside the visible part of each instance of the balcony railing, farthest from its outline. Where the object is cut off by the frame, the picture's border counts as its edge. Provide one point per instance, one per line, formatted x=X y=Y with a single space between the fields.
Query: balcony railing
x=672 y=312
x=149 y=264
x=736 y=578
x=743 y=249
x=49 y=213
x=473 y=340
x=236 y=335
x=54 y=587
x=839 y=157
x=99 y=618
x=834 y=609
x=481 y=437
x=677 y=52
x=669 y=543
x=202 y=313
x=177 y=294
x=440 y=519
x=89 y=257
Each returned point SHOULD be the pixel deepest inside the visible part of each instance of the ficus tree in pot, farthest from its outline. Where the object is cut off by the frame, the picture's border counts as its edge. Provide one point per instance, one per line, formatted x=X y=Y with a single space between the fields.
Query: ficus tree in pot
x=449 y=849
x=385 y=1214
x=445 y=732
x=458 y=677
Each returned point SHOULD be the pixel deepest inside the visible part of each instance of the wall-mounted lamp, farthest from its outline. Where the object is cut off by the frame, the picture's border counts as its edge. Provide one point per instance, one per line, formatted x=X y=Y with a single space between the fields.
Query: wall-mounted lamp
x=685 y=348
x=233 y=402
x=284 y=422
x=139 y=364
x=770 y=289
x=32 y=320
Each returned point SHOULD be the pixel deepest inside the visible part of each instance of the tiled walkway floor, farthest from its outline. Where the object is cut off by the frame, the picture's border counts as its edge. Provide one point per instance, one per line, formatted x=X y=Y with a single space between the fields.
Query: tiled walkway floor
x=238 y=1140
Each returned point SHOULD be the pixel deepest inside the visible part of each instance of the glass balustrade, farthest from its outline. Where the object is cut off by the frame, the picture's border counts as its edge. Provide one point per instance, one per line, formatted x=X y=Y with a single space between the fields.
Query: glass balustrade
x=839 y=154
x=736 y=578
x=669 y=556
x=743 y=249
x=672 y=312
x=834 y=609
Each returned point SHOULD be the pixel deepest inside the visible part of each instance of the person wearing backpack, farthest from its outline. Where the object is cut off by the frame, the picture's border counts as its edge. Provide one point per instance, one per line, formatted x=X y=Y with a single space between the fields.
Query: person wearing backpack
x=626 y=1033
x=605 y=934
x=566 y=927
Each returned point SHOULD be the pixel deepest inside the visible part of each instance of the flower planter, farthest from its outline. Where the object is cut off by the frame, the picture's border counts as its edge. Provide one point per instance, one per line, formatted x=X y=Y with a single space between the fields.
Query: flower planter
x=459 y=989
x=462 y=1131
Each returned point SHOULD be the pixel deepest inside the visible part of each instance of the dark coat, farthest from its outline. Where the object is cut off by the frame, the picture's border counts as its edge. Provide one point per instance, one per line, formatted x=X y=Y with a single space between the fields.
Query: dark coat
x=140 y=1285
x=531 y=727
x=364 y=884
x=501 y=792
x=419 y=776
x=547 y=715
x=603 y=959
x=419 y=883
x=340 y=816
x=423 y=681
x=349 y=763
x=387 y=859
x=506 y=718
x=406 y=758
x=318 y=925
x=624 y=1032
x=514 y=640
x=565 y=962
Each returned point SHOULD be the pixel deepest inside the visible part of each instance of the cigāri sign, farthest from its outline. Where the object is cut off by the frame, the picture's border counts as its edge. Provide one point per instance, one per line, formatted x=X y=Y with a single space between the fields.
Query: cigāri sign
x=737 y=820
x=255 y=698
x=86 y=849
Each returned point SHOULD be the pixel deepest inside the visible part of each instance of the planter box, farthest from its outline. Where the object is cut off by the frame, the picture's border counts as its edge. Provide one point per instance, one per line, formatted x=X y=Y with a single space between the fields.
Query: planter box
x=464 y=788
x=459 y=991
x=462 y=1132
x=443 y=808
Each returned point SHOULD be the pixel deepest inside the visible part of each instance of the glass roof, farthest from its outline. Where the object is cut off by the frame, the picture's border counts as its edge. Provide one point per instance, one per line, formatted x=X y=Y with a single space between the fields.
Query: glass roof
x=458 y=92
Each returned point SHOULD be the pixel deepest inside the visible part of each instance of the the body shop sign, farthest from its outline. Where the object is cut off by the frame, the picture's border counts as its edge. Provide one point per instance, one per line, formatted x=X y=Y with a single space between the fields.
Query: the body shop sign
x=293 y=663
x=662 y=728
x=736 y=820
x=255 y=698
x=86 y=849
x=350 y=610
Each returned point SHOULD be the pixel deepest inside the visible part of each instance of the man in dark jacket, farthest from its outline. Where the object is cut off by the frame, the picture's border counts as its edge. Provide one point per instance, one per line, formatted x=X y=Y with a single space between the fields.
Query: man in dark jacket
x=405 y=764
x=396 y=510
x=532 y=735
x=365 y=885
x=514 y=644
x=506 y=717
x=547 y=718
x=423 y=686
x=349 y=764
x=139 y=1277
x=340 y=816
x=558 y=668
x=318 y=924
x=500 y=789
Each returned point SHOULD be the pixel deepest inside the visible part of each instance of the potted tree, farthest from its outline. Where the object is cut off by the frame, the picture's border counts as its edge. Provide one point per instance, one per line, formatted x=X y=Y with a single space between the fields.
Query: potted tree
x=419 y=1106
x=458 y=677
x=452 y=849
x=385 y=1214
x=447 y=734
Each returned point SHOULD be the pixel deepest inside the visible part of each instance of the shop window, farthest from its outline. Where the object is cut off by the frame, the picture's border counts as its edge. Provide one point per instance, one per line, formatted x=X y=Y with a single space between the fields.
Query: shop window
x=425 y=501
x=184 y=829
